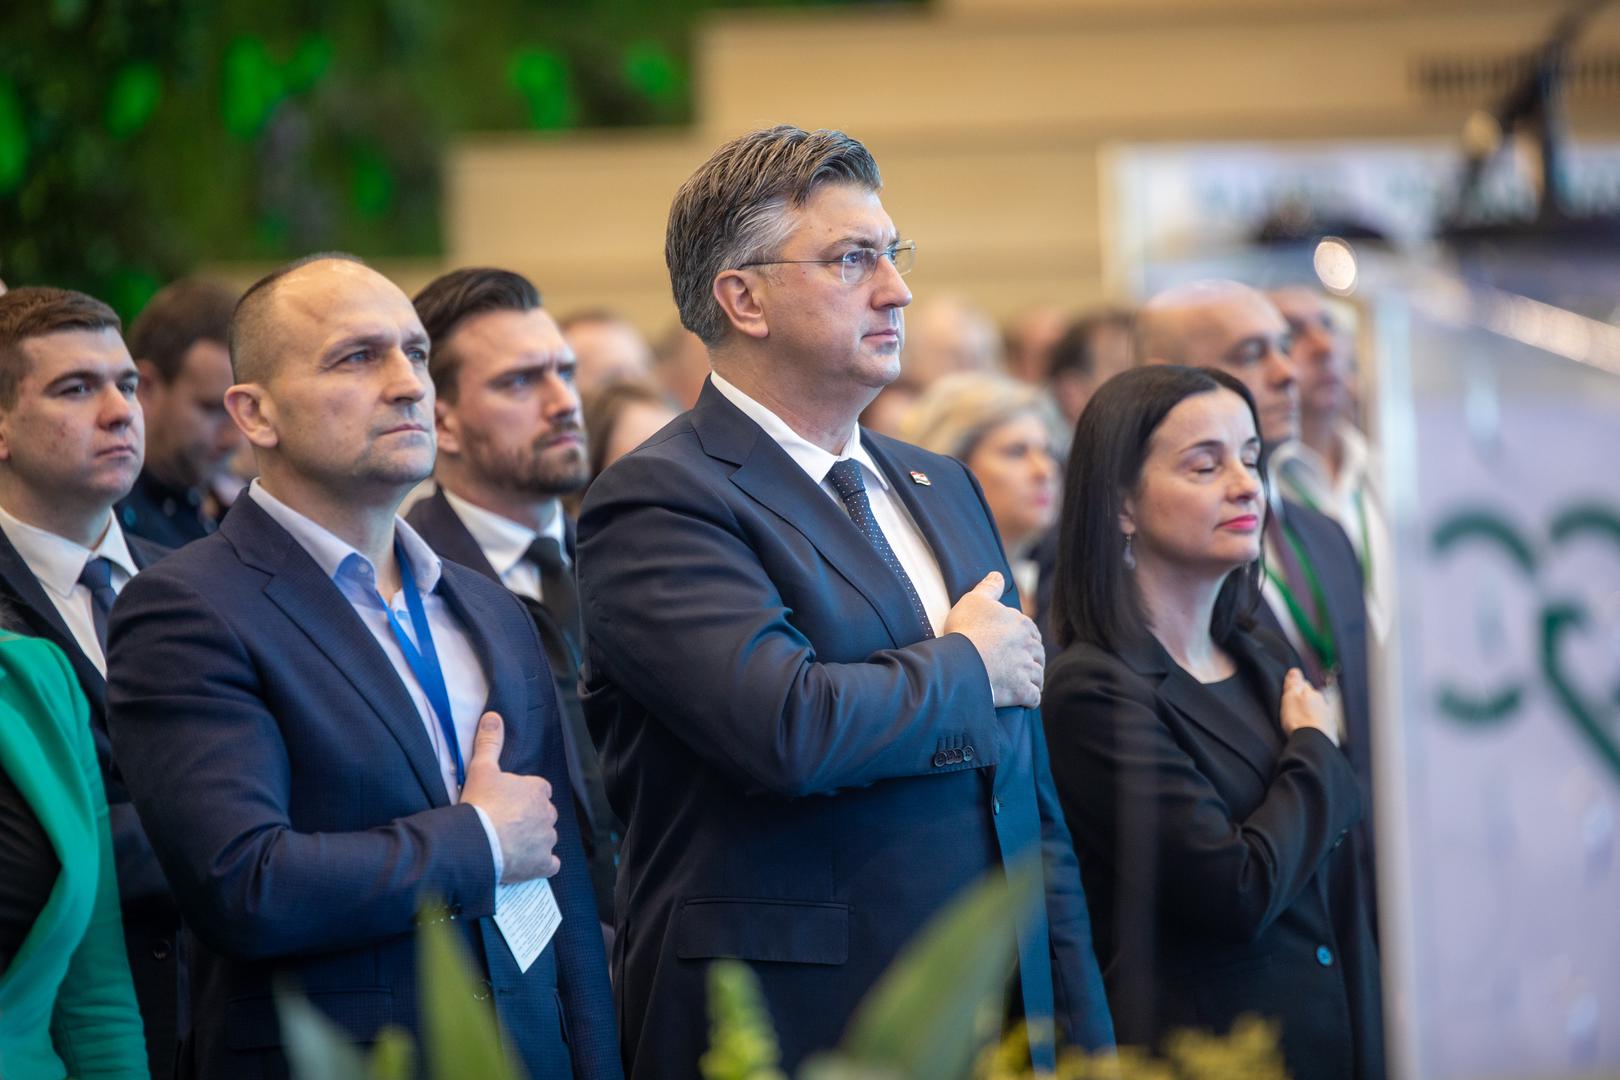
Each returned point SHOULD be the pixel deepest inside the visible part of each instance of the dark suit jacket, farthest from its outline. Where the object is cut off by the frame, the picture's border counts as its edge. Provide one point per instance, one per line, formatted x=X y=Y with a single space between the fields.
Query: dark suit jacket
x=445 y=532
x=296 y=803
x=805 y=778
x=1211 y=846
x=151 y=919
x=1339 y=570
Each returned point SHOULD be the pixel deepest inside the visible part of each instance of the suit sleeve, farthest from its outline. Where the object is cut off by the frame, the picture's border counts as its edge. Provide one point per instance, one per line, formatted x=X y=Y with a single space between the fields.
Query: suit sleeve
x=96 y=1026
x=208 y=771
x=582 y=979
x=1078 y=995
x=1131 y=793
x=682 y=617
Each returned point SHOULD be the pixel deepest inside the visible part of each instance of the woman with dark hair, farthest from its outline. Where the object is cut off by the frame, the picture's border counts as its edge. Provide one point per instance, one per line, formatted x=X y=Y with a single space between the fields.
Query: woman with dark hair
x=67 y=1005
x=1198 y=769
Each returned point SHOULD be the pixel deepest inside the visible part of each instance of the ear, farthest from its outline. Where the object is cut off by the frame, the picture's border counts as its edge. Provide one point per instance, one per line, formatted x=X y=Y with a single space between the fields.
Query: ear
x=254 y=414
x=736 y=291
x=151 y=380
x=1127 y=516
x=448 y=427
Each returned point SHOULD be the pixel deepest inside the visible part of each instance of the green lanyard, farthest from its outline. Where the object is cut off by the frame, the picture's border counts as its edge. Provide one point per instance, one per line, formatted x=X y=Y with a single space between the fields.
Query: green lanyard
x=1299 y=492
x=1318 y=637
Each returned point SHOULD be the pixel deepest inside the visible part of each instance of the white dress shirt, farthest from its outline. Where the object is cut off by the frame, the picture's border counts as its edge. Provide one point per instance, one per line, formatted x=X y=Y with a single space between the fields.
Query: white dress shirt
x=57 y=563
x=1352 y=500
x=356 y=578
x=916 y=557
x=505 y=543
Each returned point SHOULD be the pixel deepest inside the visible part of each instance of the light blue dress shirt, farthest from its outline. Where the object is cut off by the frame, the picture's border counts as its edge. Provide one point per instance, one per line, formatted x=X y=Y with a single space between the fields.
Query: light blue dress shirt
x=356 y=578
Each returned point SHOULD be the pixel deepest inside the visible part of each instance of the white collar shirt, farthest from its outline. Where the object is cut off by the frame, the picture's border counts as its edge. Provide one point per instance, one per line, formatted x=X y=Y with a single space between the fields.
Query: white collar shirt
x=905 y=538
x=505 y=543
x=56 y=563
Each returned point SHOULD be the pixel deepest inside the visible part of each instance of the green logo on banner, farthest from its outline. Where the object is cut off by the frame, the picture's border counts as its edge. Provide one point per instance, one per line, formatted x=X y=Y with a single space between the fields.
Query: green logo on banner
x=1594 y=720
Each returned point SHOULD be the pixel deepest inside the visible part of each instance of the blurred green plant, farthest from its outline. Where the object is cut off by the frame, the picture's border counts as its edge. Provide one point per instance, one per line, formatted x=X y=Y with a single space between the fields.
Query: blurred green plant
x=141 y=137
x=460 y=1034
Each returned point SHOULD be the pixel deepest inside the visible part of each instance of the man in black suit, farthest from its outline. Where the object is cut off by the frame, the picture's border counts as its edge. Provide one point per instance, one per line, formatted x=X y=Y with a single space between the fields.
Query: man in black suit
x=510 y=443
x=178 y=342
x=1313 y=591
x=71 y=441
x=806 y=656
x=326 y=725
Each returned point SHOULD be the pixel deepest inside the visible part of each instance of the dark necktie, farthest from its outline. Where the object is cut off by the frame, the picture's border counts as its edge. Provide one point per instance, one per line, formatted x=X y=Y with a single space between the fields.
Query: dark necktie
x=97 y=577
x=557 y=589
x=847 y=481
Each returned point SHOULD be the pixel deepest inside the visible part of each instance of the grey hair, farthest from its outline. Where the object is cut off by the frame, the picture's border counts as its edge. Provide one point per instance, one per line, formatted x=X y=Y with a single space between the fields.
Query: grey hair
x=734 y=209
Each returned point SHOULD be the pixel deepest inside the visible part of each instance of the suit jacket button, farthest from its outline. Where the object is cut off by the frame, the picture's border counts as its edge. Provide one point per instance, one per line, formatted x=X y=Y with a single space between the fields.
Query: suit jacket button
x=161 y=949
x=939 y=760
x=967 y=752
x=956 y=755
x=1337 y=841
x=1324 y=956
x=482 y=991
x=995 y=804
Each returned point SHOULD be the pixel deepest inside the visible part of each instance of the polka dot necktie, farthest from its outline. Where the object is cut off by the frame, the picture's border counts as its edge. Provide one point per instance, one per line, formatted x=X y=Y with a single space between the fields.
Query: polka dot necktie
x=846 y=480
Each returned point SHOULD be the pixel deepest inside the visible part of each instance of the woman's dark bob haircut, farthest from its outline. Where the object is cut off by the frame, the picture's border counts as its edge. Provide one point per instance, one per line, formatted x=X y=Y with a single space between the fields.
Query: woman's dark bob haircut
x=1096 y=600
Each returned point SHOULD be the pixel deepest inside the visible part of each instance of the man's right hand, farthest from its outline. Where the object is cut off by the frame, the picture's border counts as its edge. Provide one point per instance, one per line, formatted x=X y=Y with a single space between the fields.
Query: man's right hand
x=518 y=806
x=1008 y=642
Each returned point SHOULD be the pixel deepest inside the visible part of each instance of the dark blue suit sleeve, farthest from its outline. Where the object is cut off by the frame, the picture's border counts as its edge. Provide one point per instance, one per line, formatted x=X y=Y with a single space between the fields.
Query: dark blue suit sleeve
x=582 y=978
x=1078 y=994
x=683 y=617
x=208 y=771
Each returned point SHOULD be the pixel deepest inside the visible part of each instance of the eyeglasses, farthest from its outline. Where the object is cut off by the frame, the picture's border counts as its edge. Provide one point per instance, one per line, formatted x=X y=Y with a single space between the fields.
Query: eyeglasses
x=858 y=264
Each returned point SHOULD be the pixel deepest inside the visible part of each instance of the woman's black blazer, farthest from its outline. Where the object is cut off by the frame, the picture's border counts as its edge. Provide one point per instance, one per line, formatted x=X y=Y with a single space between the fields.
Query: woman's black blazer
x=1212 y=849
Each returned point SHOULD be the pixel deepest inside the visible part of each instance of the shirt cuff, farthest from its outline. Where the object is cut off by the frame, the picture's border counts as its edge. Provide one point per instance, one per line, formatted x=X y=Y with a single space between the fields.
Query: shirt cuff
x=494 y=842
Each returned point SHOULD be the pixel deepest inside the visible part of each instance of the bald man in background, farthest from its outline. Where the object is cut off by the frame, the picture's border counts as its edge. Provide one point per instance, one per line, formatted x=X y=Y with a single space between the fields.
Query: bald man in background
x=1313 y=592
x=327 y=726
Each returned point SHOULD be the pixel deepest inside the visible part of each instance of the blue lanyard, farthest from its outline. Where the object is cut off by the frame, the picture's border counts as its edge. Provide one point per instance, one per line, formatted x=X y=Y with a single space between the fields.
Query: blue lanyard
x=424 y=664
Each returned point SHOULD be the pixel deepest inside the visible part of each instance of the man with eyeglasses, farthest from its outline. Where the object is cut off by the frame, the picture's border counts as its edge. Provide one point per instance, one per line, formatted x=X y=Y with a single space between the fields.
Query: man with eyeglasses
x=814 y=687
x=1312 y=590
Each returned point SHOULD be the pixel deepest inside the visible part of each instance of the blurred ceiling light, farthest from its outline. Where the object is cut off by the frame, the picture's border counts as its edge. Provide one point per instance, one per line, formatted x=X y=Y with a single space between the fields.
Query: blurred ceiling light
x=1335 y=264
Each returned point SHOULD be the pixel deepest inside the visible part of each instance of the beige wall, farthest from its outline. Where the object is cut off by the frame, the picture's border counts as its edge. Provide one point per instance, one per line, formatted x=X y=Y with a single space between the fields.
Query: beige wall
x=989 y=118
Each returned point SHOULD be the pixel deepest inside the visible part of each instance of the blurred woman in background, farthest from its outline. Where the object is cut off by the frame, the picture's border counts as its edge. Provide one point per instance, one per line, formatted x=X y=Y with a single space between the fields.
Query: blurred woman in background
x=1198 y=769
x=1003 y=430
x=67 y=1005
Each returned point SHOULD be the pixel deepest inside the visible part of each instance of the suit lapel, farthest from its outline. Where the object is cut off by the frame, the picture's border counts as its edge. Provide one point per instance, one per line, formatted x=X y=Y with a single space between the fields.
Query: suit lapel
x=45 y=621
x=448 y=535
x=313 y=604
x=940 y=528
x=773 y=479
x=1248 y=737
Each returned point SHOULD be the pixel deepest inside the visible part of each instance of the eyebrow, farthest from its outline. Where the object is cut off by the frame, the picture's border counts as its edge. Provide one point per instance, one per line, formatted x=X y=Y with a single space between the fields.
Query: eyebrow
x=866 y=240
x=372 y=339
x=91 y=375
x=1217 y=444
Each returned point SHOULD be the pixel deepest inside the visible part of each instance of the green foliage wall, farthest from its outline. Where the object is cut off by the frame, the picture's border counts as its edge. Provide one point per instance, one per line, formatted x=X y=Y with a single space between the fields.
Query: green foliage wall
x=139 y=137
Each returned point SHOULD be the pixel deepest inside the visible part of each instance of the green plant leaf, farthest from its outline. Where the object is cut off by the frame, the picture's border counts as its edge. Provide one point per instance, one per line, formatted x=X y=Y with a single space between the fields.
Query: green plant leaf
x=742 y=1043
x=394 y=1056
x=317 y=1049
x=922 y=1018
x=13 y=139
x=252 y=87
x=460 y=1036
x=309 y=62
x=650 y=69
x=540 y=76
x=133 y=98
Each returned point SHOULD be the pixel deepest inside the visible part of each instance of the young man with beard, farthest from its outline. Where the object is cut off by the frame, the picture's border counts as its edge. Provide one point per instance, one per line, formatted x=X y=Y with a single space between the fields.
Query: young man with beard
x=510 y=443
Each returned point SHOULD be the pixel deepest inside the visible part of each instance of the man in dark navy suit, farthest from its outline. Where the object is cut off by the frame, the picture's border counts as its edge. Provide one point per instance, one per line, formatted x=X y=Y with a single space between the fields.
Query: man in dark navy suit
x=71 y=441
x=325 y=725
x=510 y=444
x=1313 y=594
x=178 y=342
x=816 y=689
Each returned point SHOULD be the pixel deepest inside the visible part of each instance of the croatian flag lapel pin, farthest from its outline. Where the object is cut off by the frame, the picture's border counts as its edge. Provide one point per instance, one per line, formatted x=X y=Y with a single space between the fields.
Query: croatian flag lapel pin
x=921 y=478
